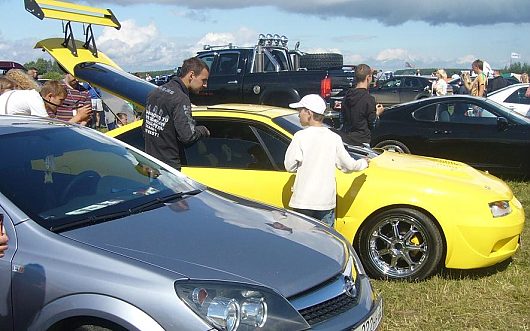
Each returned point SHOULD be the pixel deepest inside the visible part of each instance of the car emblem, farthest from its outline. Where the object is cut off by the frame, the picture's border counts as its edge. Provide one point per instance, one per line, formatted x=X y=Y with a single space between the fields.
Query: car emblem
x=349 y=287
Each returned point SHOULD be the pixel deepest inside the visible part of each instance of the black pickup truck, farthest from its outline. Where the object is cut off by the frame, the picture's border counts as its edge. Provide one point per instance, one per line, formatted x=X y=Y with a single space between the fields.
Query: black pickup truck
x=271 y=74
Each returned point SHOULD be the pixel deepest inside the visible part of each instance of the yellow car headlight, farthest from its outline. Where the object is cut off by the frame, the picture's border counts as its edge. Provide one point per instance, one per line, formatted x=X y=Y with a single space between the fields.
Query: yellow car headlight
x=500 y=208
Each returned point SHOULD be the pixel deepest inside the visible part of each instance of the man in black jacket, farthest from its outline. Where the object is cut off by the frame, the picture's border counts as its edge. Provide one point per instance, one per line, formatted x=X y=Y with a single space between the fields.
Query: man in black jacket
x=168 y=124
x=359 y=108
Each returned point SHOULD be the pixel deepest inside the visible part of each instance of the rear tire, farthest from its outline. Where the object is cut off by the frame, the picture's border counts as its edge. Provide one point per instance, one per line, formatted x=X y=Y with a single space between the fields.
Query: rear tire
x=400 y=244
x=393 y=146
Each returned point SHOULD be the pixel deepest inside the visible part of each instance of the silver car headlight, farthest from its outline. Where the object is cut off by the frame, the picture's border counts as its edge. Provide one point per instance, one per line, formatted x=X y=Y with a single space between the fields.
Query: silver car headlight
x=234 y=306
x=500 y=208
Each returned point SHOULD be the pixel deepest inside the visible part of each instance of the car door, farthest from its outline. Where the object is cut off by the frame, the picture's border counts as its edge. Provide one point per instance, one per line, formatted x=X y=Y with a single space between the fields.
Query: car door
x=6 y=311
x=409 y=89
x=471 y=132
x=243 y=158
x=225 y=81
x=388 y=93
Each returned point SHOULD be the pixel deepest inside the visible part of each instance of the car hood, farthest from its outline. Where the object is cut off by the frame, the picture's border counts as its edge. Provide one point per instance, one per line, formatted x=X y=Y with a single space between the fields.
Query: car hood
x=216 y=236
x=445 y=171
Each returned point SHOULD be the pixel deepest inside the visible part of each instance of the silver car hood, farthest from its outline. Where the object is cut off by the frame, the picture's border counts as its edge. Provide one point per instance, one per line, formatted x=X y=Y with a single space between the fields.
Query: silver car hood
x=211 y=236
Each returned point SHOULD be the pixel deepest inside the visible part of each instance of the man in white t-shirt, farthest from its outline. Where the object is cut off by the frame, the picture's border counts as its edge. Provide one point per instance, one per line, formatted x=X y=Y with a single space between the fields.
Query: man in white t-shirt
x=313 y=154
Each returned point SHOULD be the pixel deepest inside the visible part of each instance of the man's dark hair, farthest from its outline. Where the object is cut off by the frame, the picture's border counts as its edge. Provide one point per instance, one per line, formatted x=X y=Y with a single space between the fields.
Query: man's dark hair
x=193 y=64
x=361 y=72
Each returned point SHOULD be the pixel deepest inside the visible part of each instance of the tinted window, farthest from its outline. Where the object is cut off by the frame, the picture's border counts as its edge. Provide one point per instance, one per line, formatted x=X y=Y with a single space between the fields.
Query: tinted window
x=275 y=145
x=227 y=64
x=208 y=59
x=518 y=97
x=412 y=83
x=464 y=112
x=427 y=113
x=230 y=145
x=133 y=137
x=393 y=83
x=280 y=57
x=64 y=175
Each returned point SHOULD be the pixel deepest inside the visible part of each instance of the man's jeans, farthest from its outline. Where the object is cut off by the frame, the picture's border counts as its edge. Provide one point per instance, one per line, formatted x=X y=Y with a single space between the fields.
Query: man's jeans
x=326 y=216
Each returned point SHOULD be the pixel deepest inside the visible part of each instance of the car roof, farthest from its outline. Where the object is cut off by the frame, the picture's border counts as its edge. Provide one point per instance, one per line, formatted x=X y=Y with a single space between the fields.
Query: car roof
x=20 y=123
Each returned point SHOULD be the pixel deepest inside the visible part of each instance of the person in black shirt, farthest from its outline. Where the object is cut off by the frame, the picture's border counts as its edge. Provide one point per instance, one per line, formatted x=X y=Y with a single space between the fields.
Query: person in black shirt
x=497 y=82
x=168 y=122
x=359 y=108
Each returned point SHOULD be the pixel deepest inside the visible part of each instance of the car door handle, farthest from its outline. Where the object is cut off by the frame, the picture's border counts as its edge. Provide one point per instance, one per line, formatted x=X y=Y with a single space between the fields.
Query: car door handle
x=442 y=131
x=232 y=82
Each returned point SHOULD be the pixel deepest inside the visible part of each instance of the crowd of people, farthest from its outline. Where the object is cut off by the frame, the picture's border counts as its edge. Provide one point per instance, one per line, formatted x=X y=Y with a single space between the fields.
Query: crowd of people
x=21 y=93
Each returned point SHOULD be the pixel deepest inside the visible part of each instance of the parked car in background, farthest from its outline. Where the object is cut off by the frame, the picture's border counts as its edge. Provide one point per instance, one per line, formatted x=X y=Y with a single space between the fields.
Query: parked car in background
x=513 y=97
x=6 y=65
x=400 y=89
x=105 y=237
x=477 y=131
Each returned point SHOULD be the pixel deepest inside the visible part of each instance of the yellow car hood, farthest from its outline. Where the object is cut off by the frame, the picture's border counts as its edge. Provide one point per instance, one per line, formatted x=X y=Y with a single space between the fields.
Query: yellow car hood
x=446 y=172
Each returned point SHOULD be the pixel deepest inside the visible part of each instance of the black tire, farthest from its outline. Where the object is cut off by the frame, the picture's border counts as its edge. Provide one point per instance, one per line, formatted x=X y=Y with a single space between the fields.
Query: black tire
x=400 y=244
x=393 y=146
x=319 y=61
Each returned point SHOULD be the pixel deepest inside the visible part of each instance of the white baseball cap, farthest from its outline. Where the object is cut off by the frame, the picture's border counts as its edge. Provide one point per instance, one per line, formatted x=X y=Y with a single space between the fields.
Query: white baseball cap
x=313 y=102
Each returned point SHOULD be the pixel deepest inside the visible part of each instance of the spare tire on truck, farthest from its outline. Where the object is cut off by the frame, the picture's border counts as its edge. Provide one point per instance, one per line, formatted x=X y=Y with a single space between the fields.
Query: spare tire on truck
x=318 y=61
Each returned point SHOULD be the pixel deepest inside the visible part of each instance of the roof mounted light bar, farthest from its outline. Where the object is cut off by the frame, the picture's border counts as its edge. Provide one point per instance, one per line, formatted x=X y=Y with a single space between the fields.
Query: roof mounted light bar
x=70 y=12
x=272 y=40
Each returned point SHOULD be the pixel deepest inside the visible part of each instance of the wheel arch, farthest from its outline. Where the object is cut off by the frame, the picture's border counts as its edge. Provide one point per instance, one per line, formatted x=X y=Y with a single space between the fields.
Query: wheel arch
x=390 y=207
x=93 y=307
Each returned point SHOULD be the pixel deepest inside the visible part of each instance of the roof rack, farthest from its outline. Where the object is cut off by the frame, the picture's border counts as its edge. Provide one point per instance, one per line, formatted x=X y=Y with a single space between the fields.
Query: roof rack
x=70 y=12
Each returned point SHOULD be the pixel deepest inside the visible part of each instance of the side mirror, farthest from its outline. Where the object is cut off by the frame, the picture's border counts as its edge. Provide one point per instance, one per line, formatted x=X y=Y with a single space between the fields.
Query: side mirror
x=502 y=123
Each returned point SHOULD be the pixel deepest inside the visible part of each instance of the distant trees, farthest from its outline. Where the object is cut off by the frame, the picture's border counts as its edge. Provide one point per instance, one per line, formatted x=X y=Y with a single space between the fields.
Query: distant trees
x=48 y=69
x=517 y=68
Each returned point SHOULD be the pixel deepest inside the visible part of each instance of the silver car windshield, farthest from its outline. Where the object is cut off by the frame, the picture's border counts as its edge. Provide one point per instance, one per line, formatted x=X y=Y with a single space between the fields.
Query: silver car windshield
x=67 y=174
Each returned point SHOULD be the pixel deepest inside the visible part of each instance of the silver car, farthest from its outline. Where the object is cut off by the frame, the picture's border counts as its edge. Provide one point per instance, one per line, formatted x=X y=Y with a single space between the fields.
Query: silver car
x=104 y=237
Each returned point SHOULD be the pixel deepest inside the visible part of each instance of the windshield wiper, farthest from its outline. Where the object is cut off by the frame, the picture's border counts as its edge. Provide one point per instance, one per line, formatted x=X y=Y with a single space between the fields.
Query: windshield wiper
x=112 y=216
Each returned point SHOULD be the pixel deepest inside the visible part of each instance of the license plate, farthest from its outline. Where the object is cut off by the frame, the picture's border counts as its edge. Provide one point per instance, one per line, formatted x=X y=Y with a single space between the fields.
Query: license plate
x=373 y=321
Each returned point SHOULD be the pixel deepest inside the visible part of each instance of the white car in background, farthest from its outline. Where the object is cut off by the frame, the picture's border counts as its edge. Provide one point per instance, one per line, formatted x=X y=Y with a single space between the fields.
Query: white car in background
x=513 y=97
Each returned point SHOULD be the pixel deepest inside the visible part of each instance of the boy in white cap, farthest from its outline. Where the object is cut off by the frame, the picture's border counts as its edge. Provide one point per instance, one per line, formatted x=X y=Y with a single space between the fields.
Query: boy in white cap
x=313 y=154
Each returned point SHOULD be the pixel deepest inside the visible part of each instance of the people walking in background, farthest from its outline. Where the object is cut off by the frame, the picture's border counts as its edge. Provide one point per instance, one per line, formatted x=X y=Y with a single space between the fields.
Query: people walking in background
x=314 y=154
x=359 y=108
x=477 y=87
x=440 y=85
x=497 y=82
x=34 y=73
x=168 y=122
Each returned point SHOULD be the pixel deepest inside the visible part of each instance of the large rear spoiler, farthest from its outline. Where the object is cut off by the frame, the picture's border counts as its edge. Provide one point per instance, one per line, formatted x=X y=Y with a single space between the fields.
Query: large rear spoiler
x=70 y=12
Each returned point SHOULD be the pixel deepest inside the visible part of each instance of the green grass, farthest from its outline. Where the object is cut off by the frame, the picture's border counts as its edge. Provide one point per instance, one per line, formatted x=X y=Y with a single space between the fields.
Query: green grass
x=495 y=298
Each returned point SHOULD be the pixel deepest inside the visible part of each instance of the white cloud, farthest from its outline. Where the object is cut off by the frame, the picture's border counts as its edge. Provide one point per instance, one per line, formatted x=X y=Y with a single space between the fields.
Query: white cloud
x=391 y=54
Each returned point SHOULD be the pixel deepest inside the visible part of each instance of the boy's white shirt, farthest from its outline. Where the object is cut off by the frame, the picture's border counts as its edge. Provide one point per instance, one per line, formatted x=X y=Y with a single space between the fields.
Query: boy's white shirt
x=314 y=154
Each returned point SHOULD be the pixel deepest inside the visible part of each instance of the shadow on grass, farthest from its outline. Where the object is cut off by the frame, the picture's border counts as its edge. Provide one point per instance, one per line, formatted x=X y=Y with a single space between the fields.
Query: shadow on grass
x=456 y=274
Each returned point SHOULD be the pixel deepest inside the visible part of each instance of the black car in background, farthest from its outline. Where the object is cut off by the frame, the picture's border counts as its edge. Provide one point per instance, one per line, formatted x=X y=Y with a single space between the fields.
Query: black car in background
x=473 y=130
x=400 y=89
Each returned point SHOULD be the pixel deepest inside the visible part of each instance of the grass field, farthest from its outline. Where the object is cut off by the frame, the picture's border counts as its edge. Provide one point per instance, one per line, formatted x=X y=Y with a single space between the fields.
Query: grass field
x=495 y=298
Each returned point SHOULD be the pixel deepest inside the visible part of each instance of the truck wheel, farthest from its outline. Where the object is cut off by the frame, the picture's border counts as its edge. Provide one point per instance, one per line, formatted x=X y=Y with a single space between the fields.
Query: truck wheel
x=401 y=244
x=320 y=61
x=393 y=146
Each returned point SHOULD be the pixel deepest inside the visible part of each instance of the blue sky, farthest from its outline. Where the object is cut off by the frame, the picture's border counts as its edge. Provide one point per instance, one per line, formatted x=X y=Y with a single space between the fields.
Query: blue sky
x=385 y=34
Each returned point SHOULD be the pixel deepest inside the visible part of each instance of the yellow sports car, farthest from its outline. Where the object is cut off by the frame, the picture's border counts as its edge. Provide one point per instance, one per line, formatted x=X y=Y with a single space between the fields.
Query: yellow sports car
x=406 y=215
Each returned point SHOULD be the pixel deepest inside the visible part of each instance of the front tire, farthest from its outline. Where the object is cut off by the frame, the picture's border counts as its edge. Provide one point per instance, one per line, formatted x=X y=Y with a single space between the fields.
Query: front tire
x=400 y=244
x=393 y=146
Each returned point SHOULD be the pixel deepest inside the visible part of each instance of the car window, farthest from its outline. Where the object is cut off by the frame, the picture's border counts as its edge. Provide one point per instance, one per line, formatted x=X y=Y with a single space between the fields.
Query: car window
x=81 y=175
x=393 y=83
x=276 y=146
x=518 y=97
x=230 y=145
x=227 y=64
x=463 y=112
x=208 y=59
x=411 y=82
x=427 y=113
x=133 y=137
x=281 y=58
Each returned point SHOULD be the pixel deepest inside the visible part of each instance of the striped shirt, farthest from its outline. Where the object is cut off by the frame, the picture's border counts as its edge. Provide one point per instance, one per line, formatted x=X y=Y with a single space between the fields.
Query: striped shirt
x=77 y=97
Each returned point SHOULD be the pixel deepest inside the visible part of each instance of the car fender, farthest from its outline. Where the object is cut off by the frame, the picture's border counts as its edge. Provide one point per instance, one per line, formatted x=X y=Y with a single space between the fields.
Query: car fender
x=94 y=305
